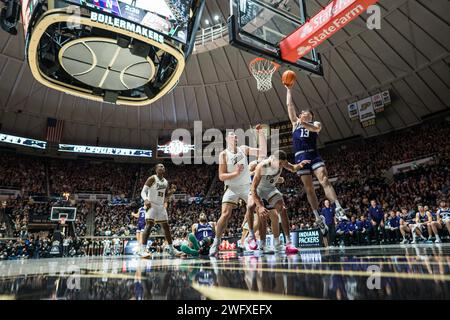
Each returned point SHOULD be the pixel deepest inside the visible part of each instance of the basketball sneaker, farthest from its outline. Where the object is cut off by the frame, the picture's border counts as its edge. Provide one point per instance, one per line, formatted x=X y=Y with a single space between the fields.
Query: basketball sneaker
x=290 y=249
x=278 y=248
x=252 y=245
x=340 y=214
x=265 y=250
x=321 y=224
x=214 y=249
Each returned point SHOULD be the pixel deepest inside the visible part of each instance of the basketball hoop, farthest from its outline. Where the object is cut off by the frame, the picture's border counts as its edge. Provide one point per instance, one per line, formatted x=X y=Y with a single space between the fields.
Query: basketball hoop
x=263 y=70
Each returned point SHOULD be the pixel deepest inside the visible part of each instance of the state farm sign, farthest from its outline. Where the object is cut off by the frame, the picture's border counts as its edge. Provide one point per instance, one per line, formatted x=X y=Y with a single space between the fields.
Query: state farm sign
x=321 y=27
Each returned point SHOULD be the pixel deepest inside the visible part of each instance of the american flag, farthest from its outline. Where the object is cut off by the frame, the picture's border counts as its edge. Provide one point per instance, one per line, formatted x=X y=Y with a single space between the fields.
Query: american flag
x=54 y=130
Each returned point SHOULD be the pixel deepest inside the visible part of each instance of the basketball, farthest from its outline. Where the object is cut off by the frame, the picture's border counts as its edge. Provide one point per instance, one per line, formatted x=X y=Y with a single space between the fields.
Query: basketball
x=289 y=78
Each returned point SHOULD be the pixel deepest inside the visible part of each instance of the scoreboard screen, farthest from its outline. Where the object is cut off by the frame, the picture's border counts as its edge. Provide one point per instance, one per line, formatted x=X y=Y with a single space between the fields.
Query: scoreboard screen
x=169 y=17
x=167 y=148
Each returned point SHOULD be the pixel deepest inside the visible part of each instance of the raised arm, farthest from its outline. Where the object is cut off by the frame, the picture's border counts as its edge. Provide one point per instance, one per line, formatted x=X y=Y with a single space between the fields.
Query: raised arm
x=315 y=127
x=223 y=174
x=144 y=193
x=291 y=107
x=251 y=151
x=262 y=142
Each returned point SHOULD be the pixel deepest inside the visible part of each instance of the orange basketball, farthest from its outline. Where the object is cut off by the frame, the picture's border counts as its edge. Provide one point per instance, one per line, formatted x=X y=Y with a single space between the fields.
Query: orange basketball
x=289 y=78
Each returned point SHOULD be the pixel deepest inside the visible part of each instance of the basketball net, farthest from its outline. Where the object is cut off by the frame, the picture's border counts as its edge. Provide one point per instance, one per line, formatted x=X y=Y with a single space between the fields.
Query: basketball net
x=263 y=70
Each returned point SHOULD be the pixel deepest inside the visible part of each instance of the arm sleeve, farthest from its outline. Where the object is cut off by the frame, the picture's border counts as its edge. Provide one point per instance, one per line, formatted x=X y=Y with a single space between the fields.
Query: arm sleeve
x=144 y=192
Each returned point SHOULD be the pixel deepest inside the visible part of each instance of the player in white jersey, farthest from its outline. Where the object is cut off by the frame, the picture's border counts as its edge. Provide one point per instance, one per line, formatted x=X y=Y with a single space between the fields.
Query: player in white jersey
x=234 y=172
x=268 y=197
x=442 y=220
x=251 y=209
x=156 y=191
x=251 y=218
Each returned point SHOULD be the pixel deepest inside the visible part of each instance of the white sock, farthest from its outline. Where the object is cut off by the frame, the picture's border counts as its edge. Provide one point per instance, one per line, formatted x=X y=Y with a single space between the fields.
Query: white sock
x=216 y=241
x=338 y=205
x=252 y=234
x=316 y=214
x=438 y=238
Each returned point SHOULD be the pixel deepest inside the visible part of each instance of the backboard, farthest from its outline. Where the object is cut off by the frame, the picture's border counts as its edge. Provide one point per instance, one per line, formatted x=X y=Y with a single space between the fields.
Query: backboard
x=63 y=212
x=259 y=26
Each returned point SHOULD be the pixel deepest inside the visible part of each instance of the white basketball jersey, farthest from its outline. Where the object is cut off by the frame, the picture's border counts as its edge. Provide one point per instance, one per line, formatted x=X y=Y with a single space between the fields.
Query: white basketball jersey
x=269 y=175
x=158 y=191
x=234 y=159
x=444 y=213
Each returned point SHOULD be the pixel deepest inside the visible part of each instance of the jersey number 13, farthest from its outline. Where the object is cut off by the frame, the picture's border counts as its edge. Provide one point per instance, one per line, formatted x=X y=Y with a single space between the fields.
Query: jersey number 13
x=304 y=133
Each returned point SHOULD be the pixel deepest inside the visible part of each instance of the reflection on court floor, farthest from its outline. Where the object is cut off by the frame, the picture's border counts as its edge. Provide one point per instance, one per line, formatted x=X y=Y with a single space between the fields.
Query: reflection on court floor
x=389 y=272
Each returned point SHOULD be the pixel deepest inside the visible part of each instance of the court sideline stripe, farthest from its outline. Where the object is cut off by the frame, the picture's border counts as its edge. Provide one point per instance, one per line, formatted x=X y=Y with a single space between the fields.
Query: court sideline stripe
x=221 y=293
x=342 y=272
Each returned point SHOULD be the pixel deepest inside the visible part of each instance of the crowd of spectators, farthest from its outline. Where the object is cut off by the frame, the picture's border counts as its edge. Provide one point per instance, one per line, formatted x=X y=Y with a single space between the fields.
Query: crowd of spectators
x=23 y=173
x=113 y=220
x=80 y=176
x=26 y=246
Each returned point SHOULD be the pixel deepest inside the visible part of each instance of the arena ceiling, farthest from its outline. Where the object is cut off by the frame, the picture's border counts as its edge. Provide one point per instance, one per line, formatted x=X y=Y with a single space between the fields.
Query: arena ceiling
x=409 y=56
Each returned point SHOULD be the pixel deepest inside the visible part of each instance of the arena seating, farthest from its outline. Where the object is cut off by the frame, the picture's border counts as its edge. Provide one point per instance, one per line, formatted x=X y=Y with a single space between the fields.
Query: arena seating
x=359 y=167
